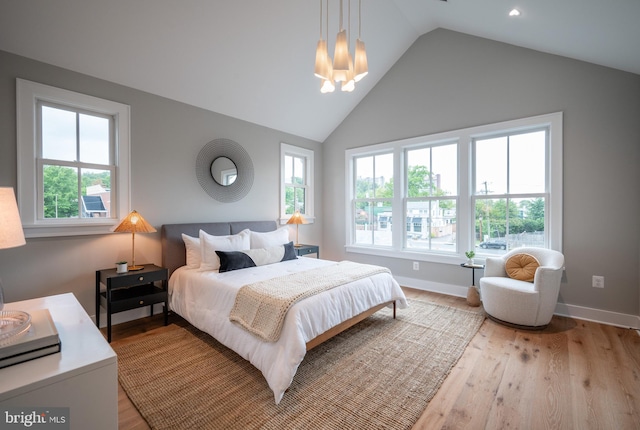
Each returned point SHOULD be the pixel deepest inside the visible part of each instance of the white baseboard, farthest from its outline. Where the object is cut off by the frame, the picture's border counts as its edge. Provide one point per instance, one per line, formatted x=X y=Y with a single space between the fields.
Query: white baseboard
x=597 y=315
x=578 y=312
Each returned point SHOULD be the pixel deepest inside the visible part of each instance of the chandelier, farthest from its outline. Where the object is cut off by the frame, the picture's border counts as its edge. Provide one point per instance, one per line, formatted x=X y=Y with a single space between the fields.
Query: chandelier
x=342 y=68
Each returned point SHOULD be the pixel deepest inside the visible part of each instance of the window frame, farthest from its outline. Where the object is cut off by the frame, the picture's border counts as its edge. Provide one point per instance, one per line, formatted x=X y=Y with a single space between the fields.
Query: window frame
x=307 y=155
x=29 y=96
x=464 y=205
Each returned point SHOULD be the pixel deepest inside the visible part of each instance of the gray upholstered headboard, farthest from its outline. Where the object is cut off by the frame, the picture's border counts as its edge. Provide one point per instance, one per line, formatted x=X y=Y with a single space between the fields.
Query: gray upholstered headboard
x=173 y=250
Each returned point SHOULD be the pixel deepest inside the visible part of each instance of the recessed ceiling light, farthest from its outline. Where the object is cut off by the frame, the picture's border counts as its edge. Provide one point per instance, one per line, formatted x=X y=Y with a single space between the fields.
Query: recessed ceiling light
x=514 y=12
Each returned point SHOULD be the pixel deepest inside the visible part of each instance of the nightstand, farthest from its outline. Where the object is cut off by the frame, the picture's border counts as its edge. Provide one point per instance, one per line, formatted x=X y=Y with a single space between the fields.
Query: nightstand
x=131 y=290
x=307 y=249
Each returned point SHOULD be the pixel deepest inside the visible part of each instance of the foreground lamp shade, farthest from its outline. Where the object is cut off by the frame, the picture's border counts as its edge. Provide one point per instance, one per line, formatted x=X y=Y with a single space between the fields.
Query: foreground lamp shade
x=134 y=223
x=297 y=219
x=11 y=234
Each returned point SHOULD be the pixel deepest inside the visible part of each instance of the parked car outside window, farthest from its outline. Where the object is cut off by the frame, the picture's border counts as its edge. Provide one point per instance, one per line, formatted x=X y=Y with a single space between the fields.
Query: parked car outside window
x=494 y=244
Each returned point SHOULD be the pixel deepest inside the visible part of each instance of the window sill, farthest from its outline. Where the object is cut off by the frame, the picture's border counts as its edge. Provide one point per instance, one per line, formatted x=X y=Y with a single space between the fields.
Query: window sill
x=66 y=230
x=310 y=219
x=408 y=255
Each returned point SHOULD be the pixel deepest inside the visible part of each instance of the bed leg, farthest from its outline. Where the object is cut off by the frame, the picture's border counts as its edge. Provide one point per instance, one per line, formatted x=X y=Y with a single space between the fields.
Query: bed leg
x=394 y=309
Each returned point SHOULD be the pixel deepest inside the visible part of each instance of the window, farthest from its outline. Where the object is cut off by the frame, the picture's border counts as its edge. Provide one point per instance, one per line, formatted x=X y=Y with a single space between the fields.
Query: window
x=488 y=188
x=510 y=192
x=432 y=188
x=73 y=161
x=372 y=211
x=296 y=185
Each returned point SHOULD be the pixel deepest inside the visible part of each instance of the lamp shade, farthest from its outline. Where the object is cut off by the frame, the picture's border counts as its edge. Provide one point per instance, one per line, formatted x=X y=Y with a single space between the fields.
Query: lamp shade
x=360 y=67
x=134 y=223
x=321 y=68
x=11 y=234
x=341 y=57
x=297 y=218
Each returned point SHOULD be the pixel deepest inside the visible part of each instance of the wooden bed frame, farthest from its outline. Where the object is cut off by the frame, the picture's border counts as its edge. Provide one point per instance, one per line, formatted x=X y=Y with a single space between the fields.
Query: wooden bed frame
x=174 y=256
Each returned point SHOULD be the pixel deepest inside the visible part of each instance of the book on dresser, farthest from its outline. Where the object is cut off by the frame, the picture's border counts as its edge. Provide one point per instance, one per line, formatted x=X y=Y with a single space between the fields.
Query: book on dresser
x=39 y=340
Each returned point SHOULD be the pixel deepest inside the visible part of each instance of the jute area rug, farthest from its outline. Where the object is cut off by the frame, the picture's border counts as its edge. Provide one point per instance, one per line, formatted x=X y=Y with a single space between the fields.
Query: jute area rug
x=379 y=374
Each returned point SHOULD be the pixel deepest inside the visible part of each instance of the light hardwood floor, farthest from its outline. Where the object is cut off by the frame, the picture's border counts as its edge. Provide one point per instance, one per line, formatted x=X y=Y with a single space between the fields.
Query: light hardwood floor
x=573 y=375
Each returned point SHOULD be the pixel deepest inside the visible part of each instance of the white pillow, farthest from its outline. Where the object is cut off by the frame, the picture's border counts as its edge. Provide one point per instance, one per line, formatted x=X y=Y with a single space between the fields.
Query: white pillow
x=269 y=239
x=209 y=244
x=194 y=253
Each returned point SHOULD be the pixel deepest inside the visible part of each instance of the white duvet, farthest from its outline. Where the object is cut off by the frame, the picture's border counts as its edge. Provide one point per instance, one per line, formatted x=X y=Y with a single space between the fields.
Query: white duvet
x=205 y=298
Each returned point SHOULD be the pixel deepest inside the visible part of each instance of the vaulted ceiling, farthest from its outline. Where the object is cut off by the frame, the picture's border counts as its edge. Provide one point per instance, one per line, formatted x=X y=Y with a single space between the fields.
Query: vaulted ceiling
x=253 y=59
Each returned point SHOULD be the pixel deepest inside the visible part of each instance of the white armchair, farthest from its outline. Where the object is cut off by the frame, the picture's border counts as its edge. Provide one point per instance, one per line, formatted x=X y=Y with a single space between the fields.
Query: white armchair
x=525 y=304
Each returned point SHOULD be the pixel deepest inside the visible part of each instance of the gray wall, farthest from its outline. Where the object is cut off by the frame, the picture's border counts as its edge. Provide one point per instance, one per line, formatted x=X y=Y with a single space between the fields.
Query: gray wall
x=448 y=80
x=166 y=137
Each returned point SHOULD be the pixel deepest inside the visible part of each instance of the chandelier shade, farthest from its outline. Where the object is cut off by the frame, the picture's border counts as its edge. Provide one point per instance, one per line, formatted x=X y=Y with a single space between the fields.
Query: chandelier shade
x=360 y=68
x=341 y=55
x=322 y=62
x=327 y=86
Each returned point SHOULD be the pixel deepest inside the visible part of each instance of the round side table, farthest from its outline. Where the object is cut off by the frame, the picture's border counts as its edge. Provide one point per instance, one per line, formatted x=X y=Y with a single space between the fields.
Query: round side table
x=473 y=296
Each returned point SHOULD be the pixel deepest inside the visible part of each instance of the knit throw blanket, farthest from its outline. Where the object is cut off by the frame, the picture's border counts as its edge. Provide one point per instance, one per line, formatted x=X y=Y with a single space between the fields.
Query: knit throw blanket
x=262 y=306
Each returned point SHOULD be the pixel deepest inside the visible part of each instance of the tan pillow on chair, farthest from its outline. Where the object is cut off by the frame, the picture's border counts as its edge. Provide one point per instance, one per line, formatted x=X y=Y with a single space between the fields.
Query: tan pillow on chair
x=521 y=267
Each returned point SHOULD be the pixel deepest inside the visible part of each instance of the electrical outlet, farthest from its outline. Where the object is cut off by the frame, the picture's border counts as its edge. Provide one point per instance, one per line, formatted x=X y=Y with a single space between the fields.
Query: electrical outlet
x=416 y=265
x=597 y=281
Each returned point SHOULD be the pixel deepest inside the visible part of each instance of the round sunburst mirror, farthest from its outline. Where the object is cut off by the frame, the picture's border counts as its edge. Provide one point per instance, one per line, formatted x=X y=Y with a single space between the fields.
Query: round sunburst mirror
x=224 y=170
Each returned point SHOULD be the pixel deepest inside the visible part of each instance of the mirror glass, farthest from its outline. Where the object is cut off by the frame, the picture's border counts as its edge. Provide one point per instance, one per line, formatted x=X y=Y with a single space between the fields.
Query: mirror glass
x=223 y=171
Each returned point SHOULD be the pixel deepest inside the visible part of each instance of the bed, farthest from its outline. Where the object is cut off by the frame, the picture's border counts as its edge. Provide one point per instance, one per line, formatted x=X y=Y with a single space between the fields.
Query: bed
x=205 y=299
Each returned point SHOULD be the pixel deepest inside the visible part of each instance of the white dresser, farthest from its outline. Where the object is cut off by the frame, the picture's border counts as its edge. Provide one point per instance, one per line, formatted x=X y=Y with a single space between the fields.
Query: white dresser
x=82 y=377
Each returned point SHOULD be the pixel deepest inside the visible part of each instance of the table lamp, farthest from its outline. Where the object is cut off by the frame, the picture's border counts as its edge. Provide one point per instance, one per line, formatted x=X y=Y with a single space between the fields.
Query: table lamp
x=11 y=235
x=297 y=219
x=134 y=223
